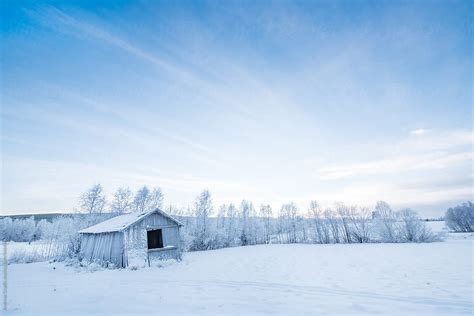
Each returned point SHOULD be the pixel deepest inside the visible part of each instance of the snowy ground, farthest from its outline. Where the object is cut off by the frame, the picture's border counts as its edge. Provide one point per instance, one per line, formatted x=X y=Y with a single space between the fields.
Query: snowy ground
x=23 y=252
x=285 y=279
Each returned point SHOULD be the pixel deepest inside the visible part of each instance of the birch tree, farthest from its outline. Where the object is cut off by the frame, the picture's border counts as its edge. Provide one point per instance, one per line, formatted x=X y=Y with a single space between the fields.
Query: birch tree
x=321 y=231
x=202 y=211
x=266 y=214
x=360 y=222
x=385 y=220
x=156 y=199
x=140 y=200
x=146 y=200
x=231 y=224
x=245 y=210
x=93 y=200
x=288 y=214
x=333 y=224
x=343 y=212
x=122 y=201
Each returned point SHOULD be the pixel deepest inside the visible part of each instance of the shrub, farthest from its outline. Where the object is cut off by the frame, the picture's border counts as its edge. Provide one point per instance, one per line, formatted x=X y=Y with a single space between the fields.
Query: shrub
x=461 y=218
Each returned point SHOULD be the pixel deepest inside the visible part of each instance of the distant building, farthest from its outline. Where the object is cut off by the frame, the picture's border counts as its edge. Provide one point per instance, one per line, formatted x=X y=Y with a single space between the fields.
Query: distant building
x=147 y=236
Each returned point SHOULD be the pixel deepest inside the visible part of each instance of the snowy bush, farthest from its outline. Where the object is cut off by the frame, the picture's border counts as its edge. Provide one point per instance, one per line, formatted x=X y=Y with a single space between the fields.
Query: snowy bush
x=6 y=228
x=461 y=218
x=413 y=229
x=21 y=230
x=385 y=222
x=360 y=221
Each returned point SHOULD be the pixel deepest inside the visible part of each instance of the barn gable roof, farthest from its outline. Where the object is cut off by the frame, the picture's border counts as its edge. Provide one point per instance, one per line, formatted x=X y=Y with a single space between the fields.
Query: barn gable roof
x=122 y=222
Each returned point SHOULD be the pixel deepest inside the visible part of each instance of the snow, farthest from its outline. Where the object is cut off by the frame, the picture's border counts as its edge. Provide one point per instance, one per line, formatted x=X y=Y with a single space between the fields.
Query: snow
x=24 y=252
x=417 y=279
x=121 y=222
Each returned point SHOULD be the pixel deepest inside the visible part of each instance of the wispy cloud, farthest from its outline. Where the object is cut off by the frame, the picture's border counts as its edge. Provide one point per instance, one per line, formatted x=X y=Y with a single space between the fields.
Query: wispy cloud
x=419 y=131
x=433 y=152
x=224 y=99
x=404 y=163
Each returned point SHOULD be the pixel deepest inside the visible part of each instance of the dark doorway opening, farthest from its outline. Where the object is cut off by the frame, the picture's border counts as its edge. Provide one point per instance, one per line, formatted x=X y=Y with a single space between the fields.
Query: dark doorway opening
x=155 y=239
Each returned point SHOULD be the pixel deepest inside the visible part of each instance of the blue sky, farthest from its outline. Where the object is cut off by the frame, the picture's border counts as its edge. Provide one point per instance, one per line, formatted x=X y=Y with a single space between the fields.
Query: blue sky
x=272 y=101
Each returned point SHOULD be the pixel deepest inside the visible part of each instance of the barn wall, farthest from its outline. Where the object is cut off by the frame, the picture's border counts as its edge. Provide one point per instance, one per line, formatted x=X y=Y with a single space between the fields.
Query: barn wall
x=104 y=247
x=136 y=244
x=172 y=253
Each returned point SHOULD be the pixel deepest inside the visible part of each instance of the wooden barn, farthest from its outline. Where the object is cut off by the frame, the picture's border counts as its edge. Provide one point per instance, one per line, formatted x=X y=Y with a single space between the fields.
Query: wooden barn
x=127 y=238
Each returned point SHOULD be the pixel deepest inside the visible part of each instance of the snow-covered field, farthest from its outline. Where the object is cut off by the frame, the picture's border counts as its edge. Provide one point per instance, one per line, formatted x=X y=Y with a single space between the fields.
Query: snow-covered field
x=397 y=279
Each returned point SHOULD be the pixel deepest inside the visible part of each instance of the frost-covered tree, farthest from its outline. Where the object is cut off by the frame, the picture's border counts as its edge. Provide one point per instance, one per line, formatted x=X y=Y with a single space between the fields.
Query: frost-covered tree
x=231 y=225
x=266 y=215
x=122 y=201
x=6 y=228
x=413 y=229
x=302 y=229
x=288 y=218
x=359 y=219
x=385 y=220
x=333 y=223
x=156 y=199
x=343 y=212
x=202 y=211
x=141 y=200
x=320 y=226
x=461 y=218
x=146 y=200
x=176 y=210
x=24 y=229
x=41 y=227
x=221 y=217
x=93 y=200
x=246 y=210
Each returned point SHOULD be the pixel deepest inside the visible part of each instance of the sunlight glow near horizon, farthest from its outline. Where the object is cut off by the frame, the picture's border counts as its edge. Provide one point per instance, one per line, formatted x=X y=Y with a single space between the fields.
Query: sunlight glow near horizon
x=266 y=101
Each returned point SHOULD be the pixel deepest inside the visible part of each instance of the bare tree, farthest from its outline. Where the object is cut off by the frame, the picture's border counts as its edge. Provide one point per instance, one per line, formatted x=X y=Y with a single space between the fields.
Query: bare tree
x=221 y=216
x=140 y=201
x=175 y=210
x=461 y=218
x=413 y=229
x=321 y=228
x=156 y=199
x=343 y=212
x=146 y=200
x=386 y=220
x=333 y=223
x=288 y=216
x=93 y=200
x=122 y=202
x=202 y=211
x=246 y=208
x=360 y=223
x=231 y=227
x=266 y=215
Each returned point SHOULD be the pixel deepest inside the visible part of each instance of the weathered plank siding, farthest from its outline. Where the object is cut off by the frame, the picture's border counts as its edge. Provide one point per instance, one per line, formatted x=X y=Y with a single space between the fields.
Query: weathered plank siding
x=164 y=253
x=106 y=248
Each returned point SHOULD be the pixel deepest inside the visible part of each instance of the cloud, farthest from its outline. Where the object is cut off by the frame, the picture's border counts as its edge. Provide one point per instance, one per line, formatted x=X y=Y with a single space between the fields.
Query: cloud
x=419 y=131
x=215 y=92
x=399 y=164
x=434 y=152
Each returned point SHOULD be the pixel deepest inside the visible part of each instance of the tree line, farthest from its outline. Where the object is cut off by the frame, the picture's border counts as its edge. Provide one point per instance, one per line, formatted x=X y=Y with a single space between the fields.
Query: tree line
x=206 y=228
x=209 y=227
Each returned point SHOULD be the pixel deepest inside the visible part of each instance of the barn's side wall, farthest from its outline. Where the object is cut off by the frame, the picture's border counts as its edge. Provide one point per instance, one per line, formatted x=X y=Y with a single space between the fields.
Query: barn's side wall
x=135 y=239
x=104 y=248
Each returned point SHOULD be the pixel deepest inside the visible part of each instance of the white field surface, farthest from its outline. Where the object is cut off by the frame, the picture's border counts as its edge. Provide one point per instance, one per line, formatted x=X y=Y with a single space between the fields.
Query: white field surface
x=397 y=279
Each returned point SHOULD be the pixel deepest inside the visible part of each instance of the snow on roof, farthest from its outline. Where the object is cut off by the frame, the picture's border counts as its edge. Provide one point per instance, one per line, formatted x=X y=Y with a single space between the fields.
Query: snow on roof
x=121 y=222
